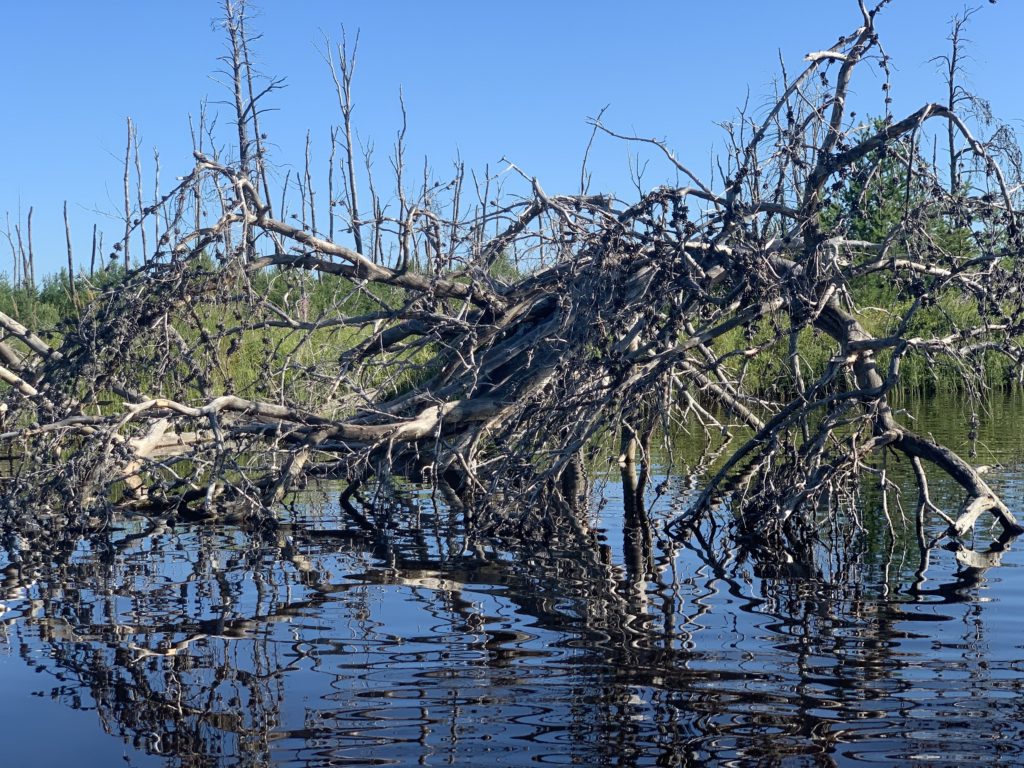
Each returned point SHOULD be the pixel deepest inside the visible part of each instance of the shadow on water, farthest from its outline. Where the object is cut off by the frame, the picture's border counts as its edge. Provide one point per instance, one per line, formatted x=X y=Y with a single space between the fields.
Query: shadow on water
x=314 y=645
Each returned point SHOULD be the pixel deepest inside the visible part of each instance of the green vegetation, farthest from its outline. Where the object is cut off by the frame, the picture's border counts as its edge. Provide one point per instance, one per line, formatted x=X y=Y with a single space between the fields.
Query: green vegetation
x=226 y=344
x=872 y=204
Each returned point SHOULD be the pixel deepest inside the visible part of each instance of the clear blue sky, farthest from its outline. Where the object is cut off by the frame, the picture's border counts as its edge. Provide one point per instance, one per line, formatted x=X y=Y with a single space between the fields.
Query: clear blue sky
x=481 y=80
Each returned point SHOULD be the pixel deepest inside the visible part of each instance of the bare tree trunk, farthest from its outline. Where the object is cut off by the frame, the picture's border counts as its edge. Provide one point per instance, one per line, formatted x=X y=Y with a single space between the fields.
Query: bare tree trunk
x=343 y=89
x=72 y=293
x=234 y=20
x=92 y=254
x=30 y=264
x=126 y=240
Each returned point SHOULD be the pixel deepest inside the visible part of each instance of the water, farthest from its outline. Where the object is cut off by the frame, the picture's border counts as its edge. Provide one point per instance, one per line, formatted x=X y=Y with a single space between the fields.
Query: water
x=309 y=646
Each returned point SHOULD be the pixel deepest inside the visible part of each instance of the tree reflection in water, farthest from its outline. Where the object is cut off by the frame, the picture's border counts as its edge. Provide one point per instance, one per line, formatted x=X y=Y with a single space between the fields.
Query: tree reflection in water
x=314 y=645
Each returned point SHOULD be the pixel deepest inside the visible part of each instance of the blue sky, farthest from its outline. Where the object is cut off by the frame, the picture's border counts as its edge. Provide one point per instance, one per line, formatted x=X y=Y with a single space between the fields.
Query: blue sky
x=481 y=81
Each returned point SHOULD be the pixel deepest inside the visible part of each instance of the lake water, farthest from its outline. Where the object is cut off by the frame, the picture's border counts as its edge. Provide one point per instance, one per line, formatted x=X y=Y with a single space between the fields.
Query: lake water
x=307 y=646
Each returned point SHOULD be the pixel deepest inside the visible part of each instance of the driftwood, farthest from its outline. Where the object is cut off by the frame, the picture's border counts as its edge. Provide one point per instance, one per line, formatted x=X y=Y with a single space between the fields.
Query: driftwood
x=484 y=342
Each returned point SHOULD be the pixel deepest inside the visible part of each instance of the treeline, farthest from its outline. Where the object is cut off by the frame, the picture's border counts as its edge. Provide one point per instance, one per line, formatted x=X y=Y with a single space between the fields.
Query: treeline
x=53 y=305
x=44 y=307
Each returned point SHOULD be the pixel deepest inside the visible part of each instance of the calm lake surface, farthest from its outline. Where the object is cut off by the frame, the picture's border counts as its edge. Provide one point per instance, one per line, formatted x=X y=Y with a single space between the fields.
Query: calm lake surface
x=196 y=646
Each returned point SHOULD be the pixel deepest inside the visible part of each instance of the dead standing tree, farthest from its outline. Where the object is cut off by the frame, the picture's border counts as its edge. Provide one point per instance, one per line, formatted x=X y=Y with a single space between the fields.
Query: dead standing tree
x=203 y=380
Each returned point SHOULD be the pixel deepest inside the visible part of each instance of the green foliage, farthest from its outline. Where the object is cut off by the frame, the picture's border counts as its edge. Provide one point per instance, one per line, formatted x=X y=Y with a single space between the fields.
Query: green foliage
x=874 y=198
x=890 y=196
x=230 y=343
x=505 y=269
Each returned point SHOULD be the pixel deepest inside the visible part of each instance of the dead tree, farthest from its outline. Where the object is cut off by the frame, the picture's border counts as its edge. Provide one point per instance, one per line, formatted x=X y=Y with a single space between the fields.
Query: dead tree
x=217 y=376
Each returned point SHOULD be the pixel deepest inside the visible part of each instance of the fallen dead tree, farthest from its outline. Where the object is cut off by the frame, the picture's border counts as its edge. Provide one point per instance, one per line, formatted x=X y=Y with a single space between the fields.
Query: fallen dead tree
x=484 y=347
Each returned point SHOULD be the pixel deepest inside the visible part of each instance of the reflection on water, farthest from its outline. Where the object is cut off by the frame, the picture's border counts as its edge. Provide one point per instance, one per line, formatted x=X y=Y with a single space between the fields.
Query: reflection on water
x=314 y=646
